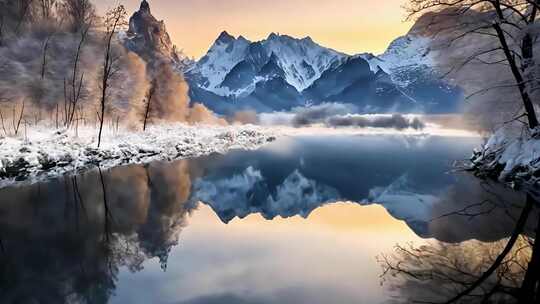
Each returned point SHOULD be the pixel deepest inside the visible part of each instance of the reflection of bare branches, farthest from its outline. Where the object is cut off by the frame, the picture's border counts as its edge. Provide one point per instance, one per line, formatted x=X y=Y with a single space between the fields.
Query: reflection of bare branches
x=78 y=196
x=82 y=266
x=466 y=211
x=108 y=216
x=530 y=288
x=511 y=242
x=435 y=271
x=497 y=274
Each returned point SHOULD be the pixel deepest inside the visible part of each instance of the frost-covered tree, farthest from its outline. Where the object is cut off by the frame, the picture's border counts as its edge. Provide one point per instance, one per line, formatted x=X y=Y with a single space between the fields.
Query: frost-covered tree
x=80 y=14
x=510 y=26
x=114 y=21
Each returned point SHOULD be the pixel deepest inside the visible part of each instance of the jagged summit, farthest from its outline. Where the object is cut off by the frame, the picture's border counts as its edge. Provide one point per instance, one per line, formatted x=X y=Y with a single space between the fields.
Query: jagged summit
x=148 y=37
x=272 y=36
x=278 y=36
x=301 y=62
x=145 y=7
x=225 y=37
x=282 y=72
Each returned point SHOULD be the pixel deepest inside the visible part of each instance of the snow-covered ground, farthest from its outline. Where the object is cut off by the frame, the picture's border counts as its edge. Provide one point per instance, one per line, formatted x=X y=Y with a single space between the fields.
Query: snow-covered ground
x=511 y=155
x=45 y=153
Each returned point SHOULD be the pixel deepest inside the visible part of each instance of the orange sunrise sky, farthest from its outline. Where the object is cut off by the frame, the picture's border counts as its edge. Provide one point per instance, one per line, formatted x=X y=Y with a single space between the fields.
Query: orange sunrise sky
x=350 y=26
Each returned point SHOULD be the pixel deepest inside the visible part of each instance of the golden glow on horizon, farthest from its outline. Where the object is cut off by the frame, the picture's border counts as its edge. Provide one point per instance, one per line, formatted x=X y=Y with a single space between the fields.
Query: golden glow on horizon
x=340 y=217
x=350 y=26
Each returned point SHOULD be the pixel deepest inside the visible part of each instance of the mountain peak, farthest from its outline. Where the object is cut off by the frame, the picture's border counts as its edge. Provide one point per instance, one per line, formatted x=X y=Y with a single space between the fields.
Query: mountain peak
x=225 y=37
x=148 y=37
x=300 y=60
x=273 y=36
x=307 y=39
x=145 y=7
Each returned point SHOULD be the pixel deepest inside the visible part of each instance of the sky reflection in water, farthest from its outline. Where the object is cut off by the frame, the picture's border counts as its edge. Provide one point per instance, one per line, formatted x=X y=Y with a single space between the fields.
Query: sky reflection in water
x=62 y=242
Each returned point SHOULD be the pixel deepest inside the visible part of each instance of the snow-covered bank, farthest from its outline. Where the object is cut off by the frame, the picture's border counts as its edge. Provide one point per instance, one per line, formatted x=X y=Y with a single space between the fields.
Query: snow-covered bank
x=45 y=153
x=511 y=155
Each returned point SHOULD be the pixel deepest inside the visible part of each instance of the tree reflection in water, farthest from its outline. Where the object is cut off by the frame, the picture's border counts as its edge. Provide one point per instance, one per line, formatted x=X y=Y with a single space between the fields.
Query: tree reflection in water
x=65 y=241
x=505 y=271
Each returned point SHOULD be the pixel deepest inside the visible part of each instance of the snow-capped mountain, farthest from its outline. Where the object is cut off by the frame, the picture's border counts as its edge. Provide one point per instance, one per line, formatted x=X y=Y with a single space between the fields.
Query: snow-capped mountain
x=225 y=53
x=282 y=72
x=233 y=66
x=406 y=60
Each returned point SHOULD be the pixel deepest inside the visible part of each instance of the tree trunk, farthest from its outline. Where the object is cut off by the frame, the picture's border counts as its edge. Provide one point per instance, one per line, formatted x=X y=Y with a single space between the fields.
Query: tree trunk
x=149 y=100
x=104 y=85
x=102 y=110
x=529 y=288
x=518 y=229
x=527 y=102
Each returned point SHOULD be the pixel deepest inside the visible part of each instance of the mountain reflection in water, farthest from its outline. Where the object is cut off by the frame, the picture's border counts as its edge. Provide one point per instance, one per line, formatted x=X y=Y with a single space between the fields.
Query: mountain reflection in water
x=103 y=236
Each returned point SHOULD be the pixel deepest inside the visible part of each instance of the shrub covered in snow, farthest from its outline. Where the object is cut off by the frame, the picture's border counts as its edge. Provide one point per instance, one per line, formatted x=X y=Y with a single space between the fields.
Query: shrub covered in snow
x=512 y=155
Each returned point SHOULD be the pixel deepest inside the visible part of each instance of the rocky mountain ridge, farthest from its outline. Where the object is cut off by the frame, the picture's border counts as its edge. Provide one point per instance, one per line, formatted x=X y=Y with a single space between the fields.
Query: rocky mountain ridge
x=282 y=72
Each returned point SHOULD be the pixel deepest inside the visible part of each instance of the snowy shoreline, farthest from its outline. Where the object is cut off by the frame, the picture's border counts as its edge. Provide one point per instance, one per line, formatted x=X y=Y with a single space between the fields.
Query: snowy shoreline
x=45 y=153
x=511 y=155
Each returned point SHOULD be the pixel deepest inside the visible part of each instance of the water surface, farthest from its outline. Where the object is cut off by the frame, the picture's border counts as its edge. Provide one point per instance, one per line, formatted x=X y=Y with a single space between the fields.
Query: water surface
x=299 y=221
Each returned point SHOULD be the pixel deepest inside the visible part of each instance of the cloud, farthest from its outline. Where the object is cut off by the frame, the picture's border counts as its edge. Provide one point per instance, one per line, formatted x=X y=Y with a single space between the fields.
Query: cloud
x=276 y=118
x=316 y=114
x=396 y=121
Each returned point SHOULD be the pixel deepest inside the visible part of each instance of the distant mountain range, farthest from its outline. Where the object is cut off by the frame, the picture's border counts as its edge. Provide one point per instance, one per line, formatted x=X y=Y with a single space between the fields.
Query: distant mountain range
x=283 y=72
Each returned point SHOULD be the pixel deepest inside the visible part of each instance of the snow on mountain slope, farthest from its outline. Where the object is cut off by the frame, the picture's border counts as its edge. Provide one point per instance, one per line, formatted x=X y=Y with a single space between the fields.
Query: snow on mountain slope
x=282 y=72
x=406 y=51
x=302 y=61
x=404 y=55
x=226 y=52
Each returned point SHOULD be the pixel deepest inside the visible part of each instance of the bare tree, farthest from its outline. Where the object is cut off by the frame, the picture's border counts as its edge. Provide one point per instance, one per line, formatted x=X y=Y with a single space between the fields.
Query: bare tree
x=2 y=26
x=47 y=8
x=2 y=123
x=76 y=82
x=149 y=96
x=23 y=13
x=114 y=20
x=16 y=122
x=80 y=13
x=44 y=53
x=510 y=22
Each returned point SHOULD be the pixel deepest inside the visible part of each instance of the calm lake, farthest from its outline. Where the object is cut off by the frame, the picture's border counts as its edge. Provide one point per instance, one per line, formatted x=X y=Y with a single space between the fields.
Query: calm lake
x=302 y=220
